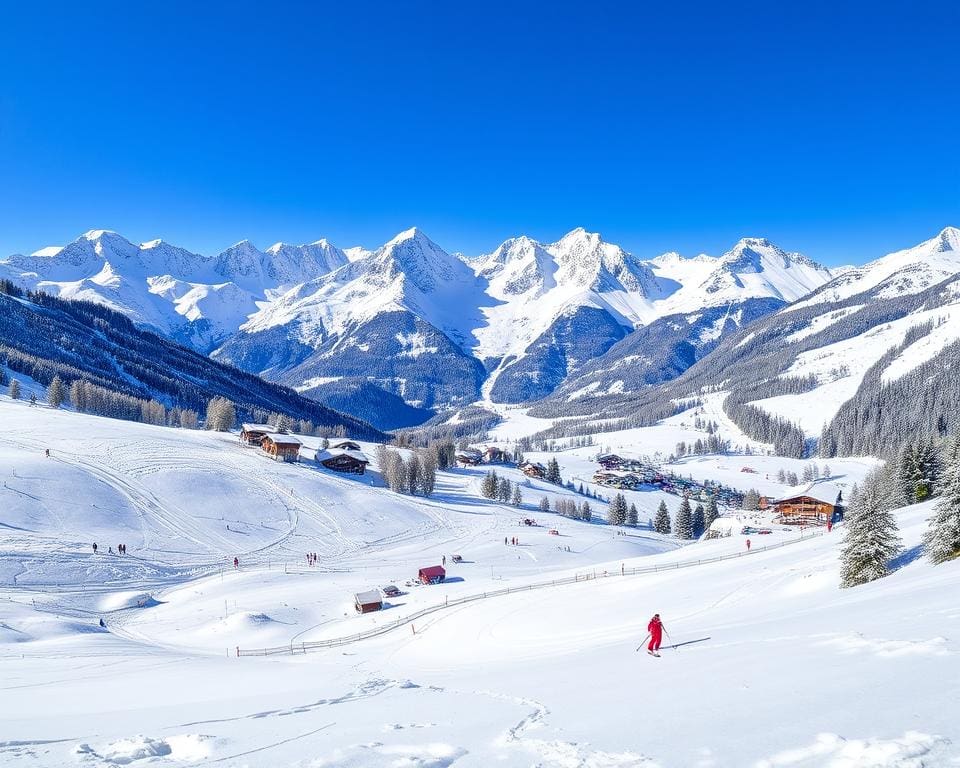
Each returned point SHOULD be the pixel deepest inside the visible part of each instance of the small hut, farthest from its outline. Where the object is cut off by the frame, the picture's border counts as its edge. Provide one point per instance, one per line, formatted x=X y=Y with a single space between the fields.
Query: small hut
x=368 y=602
x=281 y=447
x=433 y=574
x=494 y=455
x=251 y=435
x=343 y=460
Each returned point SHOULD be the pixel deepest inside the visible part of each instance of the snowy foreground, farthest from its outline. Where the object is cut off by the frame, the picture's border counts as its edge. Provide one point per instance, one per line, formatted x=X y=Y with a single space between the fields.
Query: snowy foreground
x=771 y=664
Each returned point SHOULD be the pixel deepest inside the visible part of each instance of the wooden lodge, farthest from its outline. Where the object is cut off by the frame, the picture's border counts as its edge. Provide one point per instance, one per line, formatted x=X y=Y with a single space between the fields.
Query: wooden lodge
x=817 y=504
x=281 y=447
x=343 y=460
x=494 y=455
x=468 y=457
x=347 y=445
x=251 y=435
x=533 y=469
x=434 y=574
x=368 y=602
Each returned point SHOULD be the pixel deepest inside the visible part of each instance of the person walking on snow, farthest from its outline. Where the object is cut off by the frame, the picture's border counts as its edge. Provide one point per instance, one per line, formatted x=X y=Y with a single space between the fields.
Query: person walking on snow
x=655 y=628
x=94 y=547
x=236 y=562
x=748 y=545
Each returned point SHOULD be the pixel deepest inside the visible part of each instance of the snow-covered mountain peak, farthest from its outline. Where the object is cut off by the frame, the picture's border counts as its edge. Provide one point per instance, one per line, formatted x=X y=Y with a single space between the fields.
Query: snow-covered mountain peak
x=948 y=240
x=420 y=261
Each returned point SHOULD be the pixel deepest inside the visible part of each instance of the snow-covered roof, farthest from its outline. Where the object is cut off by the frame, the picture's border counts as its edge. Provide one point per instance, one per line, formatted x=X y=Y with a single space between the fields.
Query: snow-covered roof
x=283 y=439
x=331 y=453
x=369 y=596
x=258 y=427
x=828 y=493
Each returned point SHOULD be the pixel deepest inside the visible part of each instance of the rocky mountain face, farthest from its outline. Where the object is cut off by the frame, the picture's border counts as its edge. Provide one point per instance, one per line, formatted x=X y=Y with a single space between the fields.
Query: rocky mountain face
x=425 y=326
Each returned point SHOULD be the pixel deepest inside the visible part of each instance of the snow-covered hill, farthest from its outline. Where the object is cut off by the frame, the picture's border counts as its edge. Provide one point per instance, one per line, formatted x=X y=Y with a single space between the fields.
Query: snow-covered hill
x=547 y=676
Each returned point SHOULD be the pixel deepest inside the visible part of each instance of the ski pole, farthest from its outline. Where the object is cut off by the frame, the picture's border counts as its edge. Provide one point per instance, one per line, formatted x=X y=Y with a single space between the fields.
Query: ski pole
x=672 y=644
x=644 y=641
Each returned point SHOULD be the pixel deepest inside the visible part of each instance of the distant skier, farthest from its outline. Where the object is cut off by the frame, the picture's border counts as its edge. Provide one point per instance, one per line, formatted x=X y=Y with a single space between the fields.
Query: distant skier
x=748 y=545
x=655 y=628
x=48 y=453
x=94 y=547
x=103 y=624
x=444 y=559
x=236 y=562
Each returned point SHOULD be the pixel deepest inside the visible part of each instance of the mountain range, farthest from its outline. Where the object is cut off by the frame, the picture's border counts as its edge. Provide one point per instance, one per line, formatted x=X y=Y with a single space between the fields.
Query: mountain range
x=396 y=333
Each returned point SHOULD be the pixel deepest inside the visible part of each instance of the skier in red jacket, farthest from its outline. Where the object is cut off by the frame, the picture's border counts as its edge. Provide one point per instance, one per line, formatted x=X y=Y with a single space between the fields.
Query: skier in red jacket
x=655 y=628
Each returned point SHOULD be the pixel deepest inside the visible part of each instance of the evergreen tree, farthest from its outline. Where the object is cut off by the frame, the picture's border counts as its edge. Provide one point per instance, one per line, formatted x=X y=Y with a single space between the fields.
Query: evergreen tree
x=661 y=523
x=586 y=514
x=544 y=505
x=56 y=392
x=504 y=490
x=699 y=521
x=871 y=532
x=489 y=485
x=517 y=499
x=711 y=513
x=14 y=390
x=221 y=414
x=684 y=521
x=941 y=541
x=618 y=510
x=428 y=472
x=782 y=476
x=553 y=472
x=633 y=517
x=751 y=500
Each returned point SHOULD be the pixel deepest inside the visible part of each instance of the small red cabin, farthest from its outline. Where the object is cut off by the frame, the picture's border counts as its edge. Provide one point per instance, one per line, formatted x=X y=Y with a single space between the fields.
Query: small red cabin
x=433 y=574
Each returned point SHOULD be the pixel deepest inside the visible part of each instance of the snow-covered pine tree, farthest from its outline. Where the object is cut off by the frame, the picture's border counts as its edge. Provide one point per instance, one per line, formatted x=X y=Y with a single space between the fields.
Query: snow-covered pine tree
x=661 y=523
x=782 y=476
x=699 y=520
x=871 y=538
x=684 y=521
x=517 y=499
x=586 y=514
x=553 y=472
x=618 y=510
x=56 y=392
x=488 y=486
x=941 y=541
x=504 y=490
x=751 y=500
x=633 y=517
x=544 y=505
x=428 y=471
x=14 y=390
x=710 y=514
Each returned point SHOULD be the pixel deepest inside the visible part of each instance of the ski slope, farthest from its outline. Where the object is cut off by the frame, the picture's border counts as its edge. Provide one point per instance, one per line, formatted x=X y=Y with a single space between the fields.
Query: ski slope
x=773 y=665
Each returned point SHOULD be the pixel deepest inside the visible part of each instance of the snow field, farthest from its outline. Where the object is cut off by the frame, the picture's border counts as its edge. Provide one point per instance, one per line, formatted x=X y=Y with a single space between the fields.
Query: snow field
x=774 y=665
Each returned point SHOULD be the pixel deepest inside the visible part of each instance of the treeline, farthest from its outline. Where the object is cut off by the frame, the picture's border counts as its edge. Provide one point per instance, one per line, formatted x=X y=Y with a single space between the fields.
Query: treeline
x=416 y=474
x=923 y=470
x=44 y=337
x=568 y=508
x=500 y=489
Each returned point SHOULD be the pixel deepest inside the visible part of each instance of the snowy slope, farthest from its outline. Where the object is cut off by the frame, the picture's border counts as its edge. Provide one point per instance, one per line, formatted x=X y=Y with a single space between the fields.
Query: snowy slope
x=903 y=272
x=546 y=677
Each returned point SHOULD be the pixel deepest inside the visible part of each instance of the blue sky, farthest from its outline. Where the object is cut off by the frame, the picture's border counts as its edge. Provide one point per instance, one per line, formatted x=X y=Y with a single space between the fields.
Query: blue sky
x=832 y=128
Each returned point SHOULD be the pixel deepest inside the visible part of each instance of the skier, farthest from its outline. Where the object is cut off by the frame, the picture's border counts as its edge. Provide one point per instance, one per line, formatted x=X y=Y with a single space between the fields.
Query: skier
x=48 y=453
x=748 y=545
x=236 y=562
x=829 y=525
x=655 y=628
x=94 y=547
x=103 y=624
x=444 y=560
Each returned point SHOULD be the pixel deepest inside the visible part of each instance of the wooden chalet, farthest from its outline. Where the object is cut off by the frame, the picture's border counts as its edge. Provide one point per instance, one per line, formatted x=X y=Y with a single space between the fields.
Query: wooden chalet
x=610 y=461
x=281 y=447
x=494 y=455
x=468 y=457
x=251 y=435
x=817 y=504
x=343 y=460
x=368 y=602
x=434 y=574
x=533 y=469
x=347 y=445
